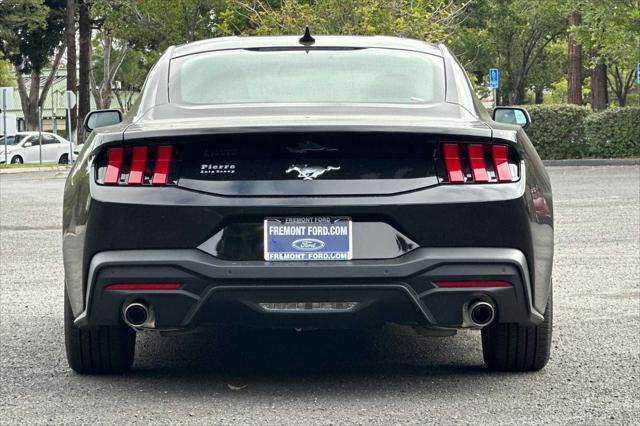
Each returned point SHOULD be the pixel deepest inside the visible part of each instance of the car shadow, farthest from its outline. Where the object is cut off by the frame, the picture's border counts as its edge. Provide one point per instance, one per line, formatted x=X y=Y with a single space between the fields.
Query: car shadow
x=227 y=359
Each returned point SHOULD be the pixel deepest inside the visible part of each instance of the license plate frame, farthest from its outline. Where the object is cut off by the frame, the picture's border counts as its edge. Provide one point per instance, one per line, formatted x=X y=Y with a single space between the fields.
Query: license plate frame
x=308 y=238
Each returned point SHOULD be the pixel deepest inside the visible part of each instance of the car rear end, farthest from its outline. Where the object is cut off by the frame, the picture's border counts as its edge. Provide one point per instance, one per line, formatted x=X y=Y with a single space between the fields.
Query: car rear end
x=308 y=217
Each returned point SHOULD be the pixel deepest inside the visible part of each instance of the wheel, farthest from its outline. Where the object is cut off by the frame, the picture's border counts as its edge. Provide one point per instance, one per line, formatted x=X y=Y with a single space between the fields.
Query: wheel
x=512 y=347
x=98 y=350
x=64 y=159
x=17 y=160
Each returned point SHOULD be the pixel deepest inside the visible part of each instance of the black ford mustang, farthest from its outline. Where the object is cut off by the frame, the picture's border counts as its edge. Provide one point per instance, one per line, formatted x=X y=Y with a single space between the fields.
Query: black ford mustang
x=308 y=183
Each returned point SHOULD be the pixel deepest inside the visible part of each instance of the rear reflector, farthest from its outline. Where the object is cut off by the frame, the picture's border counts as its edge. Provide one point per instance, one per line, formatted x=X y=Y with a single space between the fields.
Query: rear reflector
x=163 y=164
x=143 y=286
x=501 y=163
x=452 y=163
x=473 y=284
x=138 y=165
x=476 y=161
x=114 y=163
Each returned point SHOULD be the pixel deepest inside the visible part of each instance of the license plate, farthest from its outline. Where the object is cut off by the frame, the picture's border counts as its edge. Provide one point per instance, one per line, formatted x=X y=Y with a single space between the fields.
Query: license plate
x=293 y=239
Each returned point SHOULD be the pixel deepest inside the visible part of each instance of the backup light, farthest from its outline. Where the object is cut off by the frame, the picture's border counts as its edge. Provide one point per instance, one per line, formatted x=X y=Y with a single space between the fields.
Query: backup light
x=308 y=306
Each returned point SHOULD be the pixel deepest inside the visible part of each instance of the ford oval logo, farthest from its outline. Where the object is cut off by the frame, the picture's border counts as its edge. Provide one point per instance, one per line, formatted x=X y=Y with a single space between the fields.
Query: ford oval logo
x=307 y=244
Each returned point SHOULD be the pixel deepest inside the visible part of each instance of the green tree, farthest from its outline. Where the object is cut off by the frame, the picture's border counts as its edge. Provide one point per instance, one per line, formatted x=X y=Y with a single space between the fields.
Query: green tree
x=6 y=74
x=433 y=20
x=32 y=34
x=548 y=69
x=611 y=31
x=147 y=27
x=513 y=35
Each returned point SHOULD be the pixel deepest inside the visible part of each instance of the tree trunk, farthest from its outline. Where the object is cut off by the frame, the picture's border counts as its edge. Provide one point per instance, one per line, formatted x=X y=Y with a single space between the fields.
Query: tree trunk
x=70 y=36
x=35 y=96
x=574 y=63
x=599 y=95
x=516 y=94
x=103 y=92
x=539 y=95
x=84 y=101
x=621 y=84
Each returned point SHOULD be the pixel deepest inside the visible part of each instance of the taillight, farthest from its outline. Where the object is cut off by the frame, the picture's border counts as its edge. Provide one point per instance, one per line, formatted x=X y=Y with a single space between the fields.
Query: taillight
x=163 y=164
x=477 y=163
x=114 y=165
x=137 y=165
x=452 y=162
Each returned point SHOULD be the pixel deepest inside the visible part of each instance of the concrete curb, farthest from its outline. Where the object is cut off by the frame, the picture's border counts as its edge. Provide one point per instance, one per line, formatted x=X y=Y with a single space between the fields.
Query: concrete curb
x=33 y=169
x=593 y=162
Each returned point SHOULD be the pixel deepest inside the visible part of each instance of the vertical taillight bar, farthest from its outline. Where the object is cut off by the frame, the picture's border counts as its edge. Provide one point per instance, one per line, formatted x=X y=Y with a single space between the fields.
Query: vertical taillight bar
x=164 y=154
x=501 y=163
x=452 y=162
x=476 y=161
x=114 y=164
x=138 y=165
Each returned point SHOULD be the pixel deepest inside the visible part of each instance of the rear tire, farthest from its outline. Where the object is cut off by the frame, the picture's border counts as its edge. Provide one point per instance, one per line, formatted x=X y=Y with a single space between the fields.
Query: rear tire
x=105 y=349
x=17 y=160
x=512 y=347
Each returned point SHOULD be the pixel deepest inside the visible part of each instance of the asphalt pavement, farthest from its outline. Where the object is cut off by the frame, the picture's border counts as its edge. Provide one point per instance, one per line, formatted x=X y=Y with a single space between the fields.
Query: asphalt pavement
x=387 y=376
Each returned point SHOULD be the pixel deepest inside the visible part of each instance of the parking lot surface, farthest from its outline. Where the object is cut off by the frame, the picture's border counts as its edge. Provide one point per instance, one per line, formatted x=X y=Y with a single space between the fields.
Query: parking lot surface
x=387 y=376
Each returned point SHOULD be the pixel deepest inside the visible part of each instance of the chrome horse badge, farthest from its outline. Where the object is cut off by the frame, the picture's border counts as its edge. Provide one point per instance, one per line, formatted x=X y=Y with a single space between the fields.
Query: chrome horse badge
x=310 y=172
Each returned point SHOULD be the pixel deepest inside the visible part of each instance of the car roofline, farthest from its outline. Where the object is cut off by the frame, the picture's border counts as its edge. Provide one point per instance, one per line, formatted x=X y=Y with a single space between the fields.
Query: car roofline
x=292 y=42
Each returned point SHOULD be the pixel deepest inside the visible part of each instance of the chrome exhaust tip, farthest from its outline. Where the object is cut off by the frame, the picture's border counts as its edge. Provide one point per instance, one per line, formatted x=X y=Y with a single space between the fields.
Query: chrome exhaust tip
x=136 y=314
x=481 y=314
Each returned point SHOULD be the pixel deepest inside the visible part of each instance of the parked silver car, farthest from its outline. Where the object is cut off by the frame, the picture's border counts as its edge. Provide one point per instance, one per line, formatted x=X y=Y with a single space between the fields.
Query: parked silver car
x=24 y=147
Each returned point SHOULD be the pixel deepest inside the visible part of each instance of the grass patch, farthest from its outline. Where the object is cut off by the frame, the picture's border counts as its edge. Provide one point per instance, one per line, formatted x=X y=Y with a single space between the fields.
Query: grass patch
x=31 y=166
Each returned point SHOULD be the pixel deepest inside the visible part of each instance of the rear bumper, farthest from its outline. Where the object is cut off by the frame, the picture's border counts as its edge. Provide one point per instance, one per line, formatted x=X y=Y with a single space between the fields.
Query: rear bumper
x=400 y=290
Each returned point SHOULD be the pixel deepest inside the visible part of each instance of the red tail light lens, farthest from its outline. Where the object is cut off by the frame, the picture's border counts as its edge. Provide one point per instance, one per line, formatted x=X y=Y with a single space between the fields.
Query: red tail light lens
x=114 y=165
x=452 y=161
x=137 y=165
x=163 y=164
x=501 y=163
x=477 y=163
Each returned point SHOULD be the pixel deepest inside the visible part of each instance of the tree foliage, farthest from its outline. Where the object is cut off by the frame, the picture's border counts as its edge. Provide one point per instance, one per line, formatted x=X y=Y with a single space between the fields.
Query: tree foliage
x=433 y=20
x=612 y=29
x=32 y=39
x=31 y=31
x=513 y=35
x=6 y=75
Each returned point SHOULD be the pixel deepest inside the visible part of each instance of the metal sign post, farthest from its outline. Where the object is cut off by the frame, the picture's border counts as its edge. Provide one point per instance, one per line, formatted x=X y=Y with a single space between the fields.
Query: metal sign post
x=68 y=102
x=6 y=101
x=40 y=131
x=53 y=112
x=494 y=79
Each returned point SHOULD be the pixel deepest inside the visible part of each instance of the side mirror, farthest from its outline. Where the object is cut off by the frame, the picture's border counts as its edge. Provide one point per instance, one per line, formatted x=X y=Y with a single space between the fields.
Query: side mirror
x=102 y=118
x=27 y=144
x=512 y=115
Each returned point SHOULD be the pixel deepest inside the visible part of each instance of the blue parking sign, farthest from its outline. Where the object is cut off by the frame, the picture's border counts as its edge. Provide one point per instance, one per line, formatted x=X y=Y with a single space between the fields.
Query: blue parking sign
x=493 y=78
x=638 y=74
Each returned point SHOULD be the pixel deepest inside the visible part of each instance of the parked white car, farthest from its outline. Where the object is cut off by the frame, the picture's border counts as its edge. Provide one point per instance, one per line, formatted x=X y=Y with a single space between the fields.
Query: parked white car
x=24 y=147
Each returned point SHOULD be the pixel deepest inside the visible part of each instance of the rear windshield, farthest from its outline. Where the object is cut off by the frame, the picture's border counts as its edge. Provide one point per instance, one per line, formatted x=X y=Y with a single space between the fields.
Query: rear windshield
x=315 y=75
